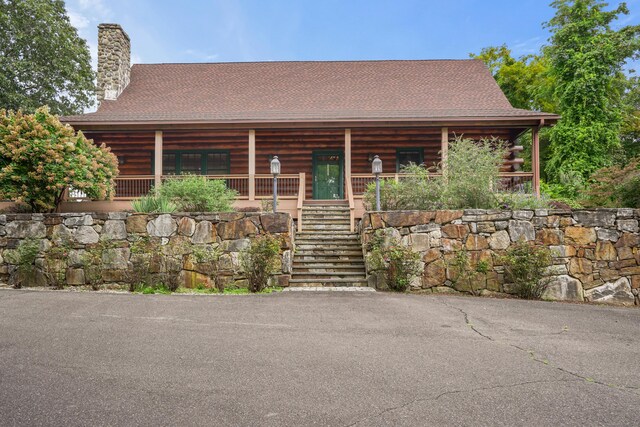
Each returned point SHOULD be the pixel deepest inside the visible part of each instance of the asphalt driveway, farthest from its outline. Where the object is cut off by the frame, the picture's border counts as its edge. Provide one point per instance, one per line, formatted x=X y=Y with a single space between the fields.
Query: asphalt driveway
x=314 y=359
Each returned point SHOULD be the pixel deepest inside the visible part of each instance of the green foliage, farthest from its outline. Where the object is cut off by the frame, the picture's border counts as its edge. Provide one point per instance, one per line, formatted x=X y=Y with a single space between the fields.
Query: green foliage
x=524 y=266
x=24 y=257
x=468 y=180
x=587 y=57
x=40 y=158
x=56 y=264
x=465 y=276
x=516 y=201
x=209 y=256
x=153 y=203
x=472 y=170
x=43 y=61
x=615 y=186
x=416 y=189
x=525 y=81
x=144 y=252
x=260 y=260
x=400 y=264
x=198 y=194
x=92 y=263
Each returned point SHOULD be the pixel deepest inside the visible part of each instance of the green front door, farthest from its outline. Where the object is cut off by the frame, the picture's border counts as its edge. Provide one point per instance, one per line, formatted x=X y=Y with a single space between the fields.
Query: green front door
x=328 y=177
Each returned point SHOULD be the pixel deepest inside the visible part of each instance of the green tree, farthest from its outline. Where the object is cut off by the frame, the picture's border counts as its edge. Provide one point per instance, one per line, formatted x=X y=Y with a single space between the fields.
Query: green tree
x=586 y=58
x=40 y=158
x=43 y=61
x=525 y=81
x=630 y=136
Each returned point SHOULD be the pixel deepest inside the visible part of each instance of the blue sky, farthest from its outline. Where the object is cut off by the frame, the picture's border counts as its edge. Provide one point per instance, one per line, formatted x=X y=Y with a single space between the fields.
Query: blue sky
x=268 y=30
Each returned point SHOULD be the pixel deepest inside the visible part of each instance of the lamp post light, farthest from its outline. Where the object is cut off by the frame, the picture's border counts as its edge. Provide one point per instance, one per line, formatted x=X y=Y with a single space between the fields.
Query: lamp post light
x=275 y=171
x=376 y=168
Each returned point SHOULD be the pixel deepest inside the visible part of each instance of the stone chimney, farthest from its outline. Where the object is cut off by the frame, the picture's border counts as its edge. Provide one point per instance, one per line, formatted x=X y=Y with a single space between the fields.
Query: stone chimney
x=114 y=61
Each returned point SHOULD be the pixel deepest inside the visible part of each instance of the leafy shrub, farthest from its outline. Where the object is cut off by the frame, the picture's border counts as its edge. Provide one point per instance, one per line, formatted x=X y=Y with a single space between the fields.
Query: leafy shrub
x=144 y=251
x=92 y=262
x=416 y=189
x=400 y=264
x=152 y=203
x=464 y=274
x=198 y=194
x=24 y=257
x=472 y=171
x=615 y=186
x=470 y=180
x=524 y=266
x=515 y=201
x=260 y=260
x=56 y=264
x=209 y=256
x=40 y=158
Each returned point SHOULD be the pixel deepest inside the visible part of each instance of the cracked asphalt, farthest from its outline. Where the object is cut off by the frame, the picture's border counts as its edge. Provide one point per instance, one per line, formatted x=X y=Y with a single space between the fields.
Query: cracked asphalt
x=339 y=359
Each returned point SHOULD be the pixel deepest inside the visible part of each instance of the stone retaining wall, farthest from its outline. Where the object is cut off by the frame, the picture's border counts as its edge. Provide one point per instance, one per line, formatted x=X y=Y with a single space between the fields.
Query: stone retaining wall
x=174 y=238
x=596 y=253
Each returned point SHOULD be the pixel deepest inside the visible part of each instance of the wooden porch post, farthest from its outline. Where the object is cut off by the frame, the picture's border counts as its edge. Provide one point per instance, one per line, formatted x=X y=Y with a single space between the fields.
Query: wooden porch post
x=252 y=164
x=158 y=159
x=444 y=149
x=535 y=160
x=347 y=155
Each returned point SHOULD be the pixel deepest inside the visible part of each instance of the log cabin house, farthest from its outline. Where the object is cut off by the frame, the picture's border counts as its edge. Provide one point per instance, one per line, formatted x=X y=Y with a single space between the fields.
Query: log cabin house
x=325 y=120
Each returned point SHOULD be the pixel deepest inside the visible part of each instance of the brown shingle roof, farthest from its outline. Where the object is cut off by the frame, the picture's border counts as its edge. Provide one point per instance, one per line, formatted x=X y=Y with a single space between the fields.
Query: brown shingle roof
x=307 y=91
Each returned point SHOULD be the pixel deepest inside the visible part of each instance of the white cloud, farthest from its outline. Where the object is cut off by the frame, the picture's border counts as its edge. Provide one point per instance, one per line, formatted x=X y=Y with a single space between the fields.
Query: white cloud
x=528 y=46
x=77 y=20
x=97 y=7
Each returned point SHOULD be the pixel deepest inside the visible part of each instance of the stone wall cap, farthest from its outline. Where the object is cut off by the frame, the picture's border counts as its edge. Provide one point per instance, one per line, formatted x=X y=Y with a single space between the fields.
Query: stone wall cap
x=107 y=25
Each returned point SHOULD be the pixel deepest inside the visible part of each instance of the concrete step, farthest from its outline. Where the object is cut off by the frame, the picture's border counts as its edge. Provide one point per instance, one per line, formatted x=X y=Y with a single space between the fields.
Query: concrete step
x=338 y=245
x=321 y=234
x=325 y=222
x=313 y=237
x=327 y=259
x=328 y=263
x=309 y=218
x=359 y=269
x=328 y=282
x=329 y=252
x=298 y=274
x=325 y=227
x=337 y=206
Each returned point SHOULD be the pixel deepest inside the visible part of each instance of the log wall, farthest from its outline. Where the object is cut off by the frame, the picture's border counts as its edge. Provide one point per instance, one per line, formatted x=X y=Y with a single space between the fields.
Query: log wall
x=293 y=147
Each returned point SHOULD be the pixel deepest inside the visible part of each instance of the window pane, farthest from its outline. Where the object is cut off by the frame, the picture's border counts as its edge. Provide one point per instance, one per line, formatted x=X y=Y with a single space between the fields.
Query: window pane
x=407 y=157
x=168 y=164
x=217 y=163
x=191 y=163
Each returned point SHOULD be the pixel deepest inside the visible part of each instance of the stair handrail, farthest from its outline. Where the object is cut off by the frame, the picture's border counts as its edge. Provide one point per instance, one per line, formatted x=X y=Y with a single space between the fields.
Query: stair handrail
x=301 y=197
x=352 y=206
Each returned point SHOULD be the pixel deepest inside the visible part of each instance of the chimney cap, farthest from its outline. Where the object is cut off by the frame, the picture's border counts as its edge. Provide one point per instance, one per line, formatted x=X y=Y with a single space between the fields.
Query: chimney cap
x=107 y=25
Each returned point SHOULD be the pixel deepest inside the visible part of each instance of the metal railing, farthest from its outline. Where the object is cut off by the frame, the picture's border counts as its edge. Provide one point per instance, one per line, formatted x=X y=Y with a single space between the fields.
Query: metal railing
x=508 y=181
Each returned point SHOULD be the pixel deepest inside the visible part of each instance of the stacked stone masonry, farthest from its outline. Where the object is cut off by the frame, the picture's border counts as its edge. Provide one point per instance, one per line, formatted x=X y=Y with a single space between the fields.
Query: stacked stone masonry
x=596 y=253
x=175 y=237
x=114 y=61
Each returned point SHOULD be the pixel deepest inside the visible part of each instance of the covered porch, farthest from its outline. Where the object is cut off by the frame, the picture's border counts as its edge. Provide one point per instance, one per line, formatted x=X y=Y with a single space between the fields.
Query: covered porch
x=331 y=164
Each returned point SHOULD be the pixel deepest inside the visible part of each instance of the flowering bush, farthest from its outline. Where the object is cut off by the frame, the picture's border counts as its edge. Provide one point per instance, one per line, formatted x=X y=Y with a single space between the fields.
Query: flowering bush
x=40 y=158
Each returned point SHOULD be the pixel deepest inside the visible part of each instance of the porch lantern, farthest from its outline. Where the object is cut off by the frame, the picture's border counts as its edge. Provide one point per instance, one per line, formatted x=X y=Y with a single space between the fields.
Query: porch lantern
x=376 y=168
x=275 y=171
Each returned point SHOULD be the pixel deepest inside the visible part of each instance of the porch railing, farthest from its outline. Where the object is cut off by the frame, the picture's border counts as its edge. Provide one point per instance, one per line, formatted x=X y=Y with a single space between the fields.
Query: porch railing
x=133 y=186
x=508 y=181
